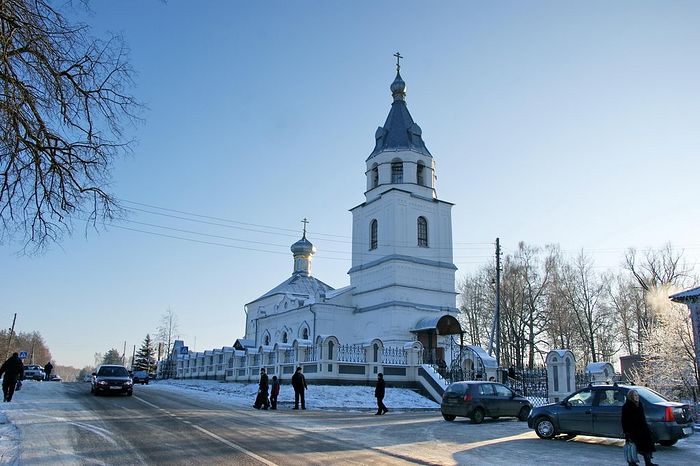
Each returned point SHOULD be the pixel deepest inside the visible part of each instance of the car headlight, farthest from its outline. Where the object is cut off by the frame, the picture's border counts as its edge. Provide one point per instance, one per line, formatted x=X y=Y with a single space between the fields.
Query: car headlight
x=101 y=382
x=128 y=382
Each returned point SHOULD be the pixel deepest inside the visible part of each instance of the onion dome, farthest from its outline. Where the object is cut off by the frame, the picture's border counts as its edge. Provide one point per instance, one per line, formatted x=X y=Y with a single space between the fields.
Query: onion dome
x=398 y=87
x=303 y=247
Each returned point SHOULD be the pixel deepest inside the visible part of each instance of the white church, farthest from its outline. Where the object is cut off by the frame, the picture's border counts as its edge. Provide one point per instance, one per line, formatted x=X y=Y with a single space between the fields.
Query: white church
x=397 y=316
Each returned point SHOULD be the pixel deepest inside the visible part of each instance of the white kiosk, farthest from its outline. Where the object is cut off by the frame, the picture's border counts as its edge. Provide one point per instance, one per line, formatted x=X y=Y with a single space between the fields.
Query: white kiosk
x=561 y=374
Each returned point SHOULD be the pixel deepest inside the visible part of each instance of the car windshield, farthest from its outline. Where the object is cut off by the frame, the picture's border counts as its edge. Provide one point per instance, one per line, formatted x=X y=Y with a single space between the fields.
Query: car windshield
x=650 y=395
x=113 y=372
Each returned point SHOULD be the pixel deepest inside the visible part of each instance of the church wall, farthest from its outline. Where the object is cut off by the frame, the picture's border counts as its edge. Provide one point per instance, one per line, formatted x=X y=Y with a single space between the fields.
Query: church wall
x=397 y=213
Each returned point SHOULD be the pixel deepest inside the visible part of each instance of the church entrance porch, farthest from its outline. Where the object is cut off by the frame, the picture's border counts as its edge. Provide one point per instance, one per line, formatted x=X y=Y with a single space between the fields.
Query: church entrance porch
x=428 y=331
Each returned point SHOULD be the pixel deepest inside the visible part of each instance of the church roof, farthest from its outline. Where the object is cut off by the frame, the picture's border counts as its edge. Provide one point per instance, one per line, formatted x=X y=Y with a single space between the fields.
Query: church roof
x=399 y=130
x=300 y=285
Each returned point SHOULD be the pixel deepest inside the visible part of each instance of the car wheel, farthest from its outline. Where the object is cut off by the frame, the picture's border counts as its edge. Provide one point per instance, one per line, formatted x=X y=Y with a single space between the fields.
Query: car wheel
x=95 y=392
x=449 y=417
x=146 y=382
x=129 y=393
x=524 y=413
x=477 y=416
x=544 y=428
x=668 y=443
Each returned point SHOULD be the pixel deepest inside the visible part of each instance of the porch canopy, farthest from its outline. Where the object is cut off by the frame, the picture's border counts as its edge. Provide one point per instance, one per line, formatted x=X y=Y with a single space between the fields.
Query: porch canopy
x=442 y=325
x=427 y=331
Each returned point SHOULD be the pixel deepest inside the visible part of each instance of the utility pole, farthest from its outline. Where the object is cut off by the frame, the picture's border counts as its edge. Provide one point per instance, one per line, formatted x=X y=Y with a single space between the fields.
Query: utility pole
x=495 y=340
x=498 y=302
x=9 y=339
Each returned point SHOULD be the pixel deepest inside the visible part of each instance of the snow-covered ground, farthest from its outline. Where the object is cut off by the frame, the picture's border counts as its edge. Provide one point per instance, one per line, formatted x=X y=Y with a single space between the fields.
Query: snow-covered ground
x=317 y=396
x=236 y=394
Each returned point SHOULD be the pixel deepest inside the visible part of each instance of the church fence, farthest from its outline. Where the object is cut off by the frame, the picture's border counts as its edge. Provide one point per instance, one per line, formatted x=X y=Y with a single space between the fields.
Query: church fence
x=351 y=353
x=334 y=362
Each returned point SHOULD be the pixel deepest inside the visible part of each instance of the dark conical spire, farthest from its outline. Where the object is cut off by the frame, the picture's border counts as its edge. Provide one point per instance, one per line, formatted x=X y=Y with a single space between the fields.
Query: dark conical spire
x=399 y=130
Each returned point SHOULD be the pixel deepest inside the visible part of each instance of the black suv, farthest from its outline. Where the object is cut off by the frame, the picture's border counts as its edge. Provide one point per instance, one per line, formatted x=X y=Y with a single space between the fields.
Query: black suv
x=111 y=378
x=477 y=400
x=597 y=409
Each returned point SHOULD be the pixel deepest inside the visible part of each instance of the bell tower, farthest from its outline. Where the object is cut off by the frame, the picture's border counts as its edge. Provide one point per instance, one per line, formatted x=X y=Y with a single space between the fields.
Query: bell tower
x=402 y=233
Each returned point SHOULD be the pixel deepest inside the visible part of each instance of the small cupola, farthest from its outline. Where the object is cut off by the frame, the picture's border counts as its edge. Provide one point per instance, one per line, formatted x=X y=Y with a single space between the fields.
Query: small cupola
x=303 y=250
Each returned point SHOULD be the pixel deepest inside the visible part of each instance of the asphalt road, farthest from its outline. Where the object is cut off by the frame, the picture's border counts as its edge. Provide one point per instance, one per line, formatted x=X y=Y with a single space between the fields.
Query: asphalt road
x=63 y=424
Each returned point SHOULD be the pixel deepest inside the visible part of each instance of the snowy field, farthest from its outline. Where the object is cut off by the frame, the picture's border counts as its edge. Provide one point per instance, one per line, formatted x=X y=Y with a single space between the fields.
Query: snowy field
x=317 y=396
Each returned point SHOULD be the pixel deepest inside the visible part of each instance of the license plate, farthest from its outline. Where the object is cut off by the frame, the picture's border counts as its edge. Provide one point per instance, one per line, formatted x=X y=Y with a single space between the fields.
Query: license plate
x=687 y=430
x=115 y=388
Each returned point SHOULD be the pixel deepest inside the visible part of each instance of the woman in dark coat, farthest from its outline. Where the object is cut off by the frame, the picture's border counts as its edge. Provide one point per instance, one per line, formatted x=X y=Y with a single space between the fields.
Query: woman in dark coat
x=635 y=428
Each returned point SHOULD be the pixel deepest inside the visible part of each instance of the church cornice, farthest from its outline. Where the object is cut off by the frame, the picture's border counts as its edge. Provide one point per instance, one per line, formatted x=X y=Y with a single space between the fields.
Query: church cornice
x=403 y=258
x=399 y=285
x=413 y=195
x=412 y=306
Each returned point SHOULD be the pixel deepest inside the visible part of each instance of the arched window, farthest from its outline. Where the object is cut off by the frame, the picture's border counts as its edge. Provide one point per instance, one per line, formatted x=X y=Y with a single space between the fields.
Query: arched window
x=375 y=176
x=420 y=173
x=568 y=374
x=376 y=352
x=266 y=340
x=305 y=333
x=330 y=350
x=284 y=337
x=373 y=234
x=397 y=172
x=422 y=232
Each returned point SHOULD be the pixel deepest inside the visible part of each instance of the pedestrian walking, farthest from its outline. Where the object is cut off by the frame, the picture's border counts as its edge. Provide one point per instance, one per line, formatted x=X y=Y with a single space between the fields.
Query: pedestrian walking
x=262 y=401
x=299 y=385
x=274 y=392
x=47 y=370
x=13 y=371
x=379 y=392
x=635 y=428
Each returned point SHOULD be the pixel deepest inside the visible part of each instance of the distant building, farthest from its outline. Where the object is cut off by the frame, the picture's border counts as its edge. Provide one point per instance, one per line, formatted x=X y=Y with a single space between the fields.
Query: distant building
x=691 y=298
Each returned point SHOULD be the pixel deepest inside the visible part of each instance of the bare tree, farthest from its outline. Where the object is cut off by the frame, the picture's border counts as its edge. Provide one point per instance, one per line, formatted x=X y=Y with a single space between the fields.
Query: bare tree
x=476 y=306
x=62 y=113
x=167 y=332
x=658 y=267
x=583 y=291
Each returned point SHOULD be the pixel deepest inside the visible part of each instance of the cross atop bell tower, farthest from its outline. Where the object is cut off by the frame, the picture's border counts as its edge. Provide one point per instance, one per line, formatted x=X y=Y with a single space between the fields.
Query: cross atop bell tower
x=398 y=62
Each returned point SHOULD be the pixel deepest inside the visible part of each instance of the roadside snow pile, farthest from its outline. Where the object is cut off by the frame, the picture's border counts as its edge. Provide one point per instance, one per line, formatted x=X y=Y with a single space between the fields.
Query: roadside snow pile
x=317 y=396
x=9 y=442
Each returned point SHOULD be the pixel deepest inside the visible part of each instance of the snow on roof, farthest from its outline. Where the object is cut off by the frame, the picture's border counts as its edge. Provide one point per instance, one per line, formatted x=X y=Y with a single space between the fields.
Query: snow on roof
x=333 y=293
x=686 y=295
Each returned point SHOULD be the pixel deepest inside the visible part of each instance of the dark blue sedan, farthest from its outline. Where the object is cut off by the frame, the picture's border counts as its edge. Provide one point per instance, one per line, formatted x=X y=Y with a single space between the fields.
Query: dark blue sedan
x=596 y=410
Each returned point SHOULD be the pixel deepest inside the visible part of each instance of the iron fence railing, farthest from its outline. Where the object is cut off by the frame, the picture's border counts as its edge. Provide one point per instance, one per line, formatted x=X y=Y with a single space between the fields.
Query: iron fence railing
x=351 y=353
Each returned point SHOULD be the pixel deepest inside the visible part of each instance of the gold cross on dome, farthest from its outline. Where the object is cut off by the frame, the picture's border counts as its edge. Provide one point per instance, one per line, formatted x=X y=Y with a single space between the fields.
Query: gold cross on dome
x=304 y=222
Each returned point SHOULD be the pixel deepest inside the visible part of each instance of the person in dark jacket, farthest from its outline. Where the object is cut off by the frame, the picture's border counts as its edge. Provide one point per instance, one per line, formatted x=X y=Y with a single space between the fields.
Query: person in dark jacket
x=299 y=385
x=262 y=400
x=13 y=370
x=635 y=428
x=274 y=392
x=47 y=370
x=379 y=392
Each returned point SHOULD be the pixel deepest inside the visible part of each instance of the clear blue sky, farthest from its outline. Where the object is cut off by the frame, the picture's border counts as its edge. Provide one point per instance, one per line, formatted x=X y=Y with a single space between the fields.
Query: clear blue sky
x=550 y=122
